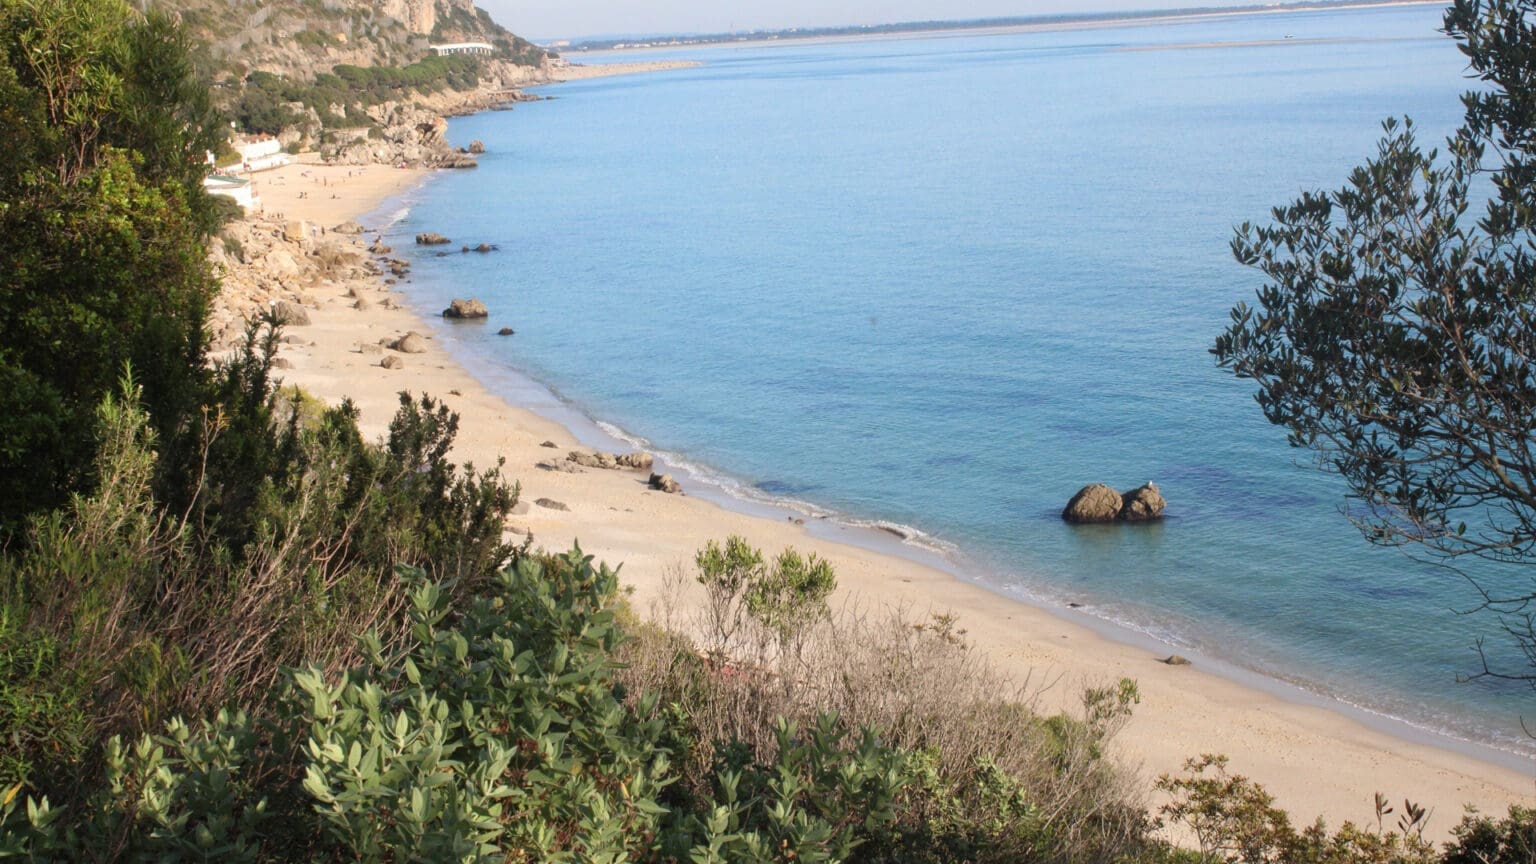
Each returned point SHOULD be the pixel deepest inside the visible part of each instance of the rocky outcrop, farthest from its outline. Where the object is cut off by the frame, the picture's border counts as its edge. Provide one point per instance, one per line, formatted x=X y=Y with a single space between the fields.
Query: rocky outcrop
x=611 y=461
x=431 y=238
x=466 y=309
x=476 y=147
x=1097 y=502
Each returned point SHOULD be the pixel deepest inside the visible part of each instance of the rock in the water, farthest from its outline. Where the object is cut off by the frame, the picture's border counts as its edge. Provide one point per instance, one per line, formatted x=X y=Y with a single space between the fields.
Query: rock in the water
x=1093 y=503
x=1176 y=660
x=1099 y=503
x=665 y=483
x=392 y=362
x=505 y=331
x=484 y=247
x=551 y=504
x=477 y=146
x=1142 y=504
x=466 y=309
x=291 y=314
x=348 y=228
x=431 y=238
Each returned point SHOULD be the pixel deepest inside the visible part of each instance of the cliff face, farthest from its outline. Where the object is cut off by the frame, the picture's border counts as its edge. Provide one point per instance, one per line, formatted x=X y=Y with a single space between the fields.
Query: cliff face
x=300 y=38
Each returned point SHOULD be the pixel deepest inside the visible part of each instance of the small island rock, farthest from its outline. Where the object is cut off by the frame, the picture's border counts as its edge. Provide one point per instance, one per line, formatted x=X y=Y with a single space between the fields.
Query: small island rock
x=1093 y=503
x=431 y=238
x=477 y=146
x=1142 y=504
x=505 y=331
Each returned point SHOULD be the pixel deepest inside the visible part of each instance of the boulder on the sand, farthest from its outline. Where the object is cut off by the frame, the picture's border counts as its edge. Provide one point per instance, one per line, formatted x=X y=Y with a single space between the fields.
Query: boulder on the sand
x=361 y=304
x=466 y=309
x=1142 y=504
x=410 y=343
x=637 y=461
x=477 y=146
x=505 y=331
x=348 y=228
x=665 y=483
x=1176 y=660
x=1093 y=503
x=290 y=314
x=549 y=444
x=431 y=238
x=281 y=363
x=392 y=362
x=551 y=504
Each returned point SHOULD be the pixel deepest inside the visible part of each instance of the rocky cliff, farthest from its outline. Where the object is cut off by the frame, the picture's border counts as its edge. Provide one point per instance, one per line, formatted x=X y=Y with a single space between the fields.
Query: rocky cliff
x=302 y=38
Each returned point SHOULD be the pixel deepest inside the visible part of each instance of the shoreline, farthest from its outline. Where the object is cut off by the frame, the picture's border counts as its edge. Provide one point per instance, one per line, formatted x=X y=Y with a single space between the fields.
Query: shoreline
x=921 y=549
x=1301 y=750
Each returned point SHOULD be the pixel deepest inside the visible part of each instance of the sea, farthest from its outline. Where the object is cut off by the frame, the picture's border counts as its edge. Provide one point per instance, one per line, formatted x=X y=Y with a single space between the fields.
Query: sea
x=936 y=283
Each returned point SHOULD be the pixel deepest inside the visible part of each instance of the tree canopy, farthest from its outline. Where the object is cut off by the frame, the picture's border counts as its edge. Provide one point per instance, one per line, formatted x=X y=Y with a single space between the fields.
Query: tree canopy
x=102 y=223
x=1396 y=333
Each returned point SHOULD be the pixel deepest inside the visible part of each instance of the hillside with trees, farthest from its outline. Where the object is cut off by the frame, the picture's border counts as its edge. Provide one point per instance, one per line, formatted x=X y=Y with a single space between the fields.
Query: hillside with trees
x=233 y=629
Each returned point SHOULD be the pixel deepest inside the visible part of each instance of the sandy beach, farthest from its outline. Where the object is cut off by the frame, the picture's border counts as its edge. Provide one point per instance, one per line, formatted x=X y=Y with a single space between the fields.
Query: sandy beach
x=1315 y=760
x=582 y=71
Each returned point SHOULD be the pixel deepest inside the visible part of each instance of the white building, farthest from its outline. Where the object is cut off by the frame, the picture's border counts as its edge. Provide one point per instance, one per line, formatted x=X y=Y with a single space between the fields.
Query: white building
x=463 y=48
x=237 y=188
x=261 y=154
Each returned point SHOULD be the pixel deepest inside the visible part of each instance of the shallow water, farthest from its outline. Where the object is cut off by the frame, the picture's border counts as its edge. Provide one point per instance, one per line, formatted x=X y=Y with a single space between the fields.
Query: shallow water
x=943 y=282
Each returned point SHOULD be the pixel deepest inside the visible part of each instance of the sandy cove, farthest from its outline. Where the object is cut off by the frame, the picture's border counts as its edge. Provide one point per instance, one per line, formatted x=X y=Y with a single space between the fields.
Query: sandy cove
x=1315 y=760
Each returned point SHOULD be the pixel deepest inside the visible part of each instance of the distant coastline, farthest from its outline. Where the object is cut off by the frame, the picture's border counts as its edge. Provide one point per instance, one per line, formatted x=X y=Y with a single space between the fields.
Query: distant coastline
x=1067 y=21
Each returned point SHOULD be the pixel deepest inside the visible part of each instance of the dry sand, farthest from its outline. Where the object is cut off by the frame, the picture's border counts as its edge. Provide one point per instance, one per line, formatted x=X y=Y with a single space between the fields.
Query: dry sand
x=582 y=71
x=1315 y=760
x=327 y=195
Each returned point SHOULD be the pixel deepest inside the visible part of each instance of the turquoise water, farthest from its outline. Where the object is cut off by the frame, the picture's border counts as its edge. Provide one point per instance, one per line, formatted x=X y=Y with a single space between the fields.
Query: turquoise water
x=944 y=282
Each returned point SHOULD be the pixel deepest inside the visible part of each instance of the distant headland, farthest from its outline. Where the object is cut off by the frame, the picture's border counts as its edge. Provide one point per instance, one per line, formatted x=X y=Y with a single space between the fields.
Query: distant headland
x=1065 y=19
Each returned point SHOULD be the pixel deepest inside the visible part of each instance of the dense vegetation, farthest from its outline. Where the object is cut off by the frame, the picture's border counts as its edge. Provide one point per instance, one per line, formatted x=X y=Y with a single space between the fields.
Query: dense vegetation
x=233 y=629
x=267 y=102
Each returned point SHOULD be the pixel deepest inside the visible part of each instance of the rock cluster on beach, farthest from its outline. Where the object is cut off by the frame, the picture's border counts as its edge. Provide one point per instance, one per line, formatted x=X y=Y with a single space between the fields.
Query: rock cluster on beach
x=1097 y=502
x=611 y=461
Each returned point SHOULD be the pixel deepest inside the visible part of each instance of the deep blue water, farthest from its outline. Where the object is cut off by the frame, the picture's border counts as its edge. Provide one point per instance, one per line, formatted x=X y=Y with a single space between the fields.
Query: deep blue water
x=943 y=282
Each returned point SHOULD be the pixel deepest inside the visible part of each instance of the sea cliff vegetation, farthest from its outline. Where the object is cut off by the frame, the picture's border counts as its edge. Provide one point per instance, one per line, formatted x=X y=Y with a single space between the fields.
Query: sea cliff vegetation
x=233 y=629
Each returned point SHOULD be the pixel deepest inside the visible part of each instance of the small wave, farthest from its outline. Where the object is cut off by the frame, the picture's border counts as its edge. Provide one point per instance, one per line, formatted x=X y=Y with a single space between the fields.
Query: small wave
x=736 y=488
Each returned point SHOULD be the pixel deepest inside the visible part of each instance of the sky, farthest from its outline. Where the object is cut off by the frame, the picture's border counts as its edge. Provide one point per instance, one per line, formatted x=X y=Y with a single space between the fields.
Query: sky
x=546 y=20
